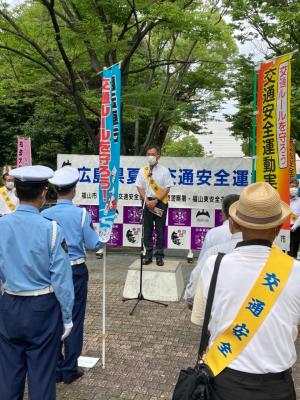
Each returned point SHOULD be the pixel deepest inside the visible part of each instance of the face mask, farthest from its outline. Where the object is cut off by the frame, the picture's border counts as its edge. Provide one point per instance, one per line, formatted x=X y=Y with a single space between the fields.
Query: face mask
x=293 y=191
x=9 y=185
x=152 y=160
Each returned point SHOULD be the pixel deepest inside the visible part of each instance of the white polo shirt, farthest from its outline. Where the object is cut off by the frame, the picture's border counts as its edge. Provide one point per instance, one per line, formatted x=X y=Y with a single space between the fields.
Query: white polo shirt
x=272 y=348
x=222 y=247
x=216 y=236
x=161 y=176
x=3 y=206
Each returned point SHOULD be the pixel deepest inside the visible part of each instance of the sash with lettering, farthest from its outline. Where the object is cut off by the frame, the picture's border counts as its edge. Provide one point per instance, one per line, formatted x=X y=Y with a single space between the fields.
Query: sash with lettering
x=109 y=150
x=154 y=186
x=263 y=295
x=5 y=197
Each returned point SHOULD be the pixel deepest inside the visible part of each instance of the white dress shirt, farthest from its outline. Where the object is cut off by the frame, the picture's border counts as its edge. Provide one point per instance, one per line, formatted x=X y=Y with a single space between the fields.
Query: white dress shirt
x=226 y=247
x=272 y=348
x=3 y=206
x=215 y=236
x=161 y=176
x=295 y=206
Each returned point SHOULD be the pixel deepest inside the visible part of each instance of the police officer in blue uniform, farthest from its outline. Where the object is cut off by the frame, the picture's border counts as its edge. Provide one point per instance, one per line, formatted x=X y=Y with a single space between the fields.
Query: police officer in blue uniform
x=78 y=230
x=37 y=292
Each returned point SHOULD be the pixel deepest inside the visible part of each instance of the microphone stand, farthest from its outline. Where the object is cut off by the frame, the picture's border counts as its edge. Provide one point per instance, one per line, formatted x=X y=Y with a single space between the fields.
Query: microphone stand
x=140 y=295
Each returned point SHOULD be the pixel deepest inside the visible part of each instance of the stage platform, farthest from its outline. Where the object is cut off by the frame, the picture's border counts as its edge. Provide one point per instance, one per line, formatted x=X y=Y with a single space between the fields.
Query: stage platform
x=159 y=283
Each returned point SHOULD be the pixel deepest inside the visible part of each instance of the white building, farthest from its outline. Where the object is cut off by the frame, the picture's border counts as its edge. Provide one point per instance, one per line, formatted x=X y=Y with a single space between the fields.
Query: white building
x=219 y=142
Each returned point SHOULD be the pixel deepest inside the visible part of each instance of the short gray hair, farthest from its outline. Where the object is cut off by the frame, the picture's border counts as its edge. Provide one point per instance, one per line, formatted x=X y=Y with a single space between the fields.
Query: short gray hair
x=294 y=179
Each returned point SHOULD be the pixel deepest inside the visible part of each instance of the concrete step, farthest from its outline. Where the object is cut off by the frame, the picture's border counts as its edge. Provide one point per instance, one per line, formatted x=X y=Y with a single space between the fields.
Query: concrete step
x=159 y=283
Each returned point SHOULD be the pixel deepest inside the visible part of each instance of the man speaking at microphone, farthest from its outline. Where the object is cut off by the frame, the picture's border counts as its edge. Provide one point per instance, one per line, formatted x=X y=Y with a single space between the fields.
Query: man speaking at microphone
x=153 y=183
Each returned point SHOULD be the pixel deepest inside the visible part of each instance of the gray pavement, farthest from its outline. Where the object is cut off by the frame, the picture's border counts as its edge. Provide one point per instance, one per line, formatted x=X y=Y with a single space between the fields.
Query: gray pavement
x=145 y=351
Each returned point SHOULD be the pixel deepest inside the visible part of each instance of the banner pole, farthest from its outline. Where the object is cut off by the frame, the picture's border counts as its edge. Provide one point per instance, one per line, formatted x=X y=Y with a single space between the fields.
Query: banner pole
x=104 y=306
x=254 y=114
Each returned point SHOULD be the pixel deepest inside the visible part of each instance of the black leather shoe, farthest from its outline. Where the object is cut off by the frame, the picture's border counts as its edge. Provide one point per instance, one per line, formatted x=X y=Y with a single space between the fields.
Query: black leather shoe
x=147 y=261
x=77 y=375
x=160 y=262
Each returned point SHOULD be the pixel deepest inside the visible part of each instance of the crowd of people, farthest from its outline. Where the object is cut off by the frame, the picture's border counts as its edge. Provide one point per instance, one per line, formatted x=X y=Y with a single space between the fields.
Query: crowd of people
x=44 y=281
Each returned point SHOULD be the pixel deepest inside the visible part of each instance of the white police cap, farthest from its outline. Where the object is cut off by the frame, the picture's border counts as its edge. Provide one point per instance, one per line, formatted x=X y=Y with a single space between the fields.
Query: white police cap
x=64 y=177
x=32 y=173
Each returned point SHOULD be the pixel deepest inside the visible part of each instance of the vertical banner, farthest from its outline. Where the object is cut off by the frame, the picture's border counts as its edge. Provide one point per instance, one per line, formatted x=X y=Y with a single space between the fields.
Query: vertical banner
x=293 y=170
x=273 y=127
x=109 y=150
x=24 y=152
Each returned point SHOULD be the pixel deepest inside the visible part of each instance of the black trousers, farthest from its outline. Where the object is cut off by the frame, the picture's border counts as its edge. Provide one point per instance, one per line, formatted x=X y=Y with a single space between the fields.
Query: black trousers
x=30 y=332
x=67 y=364
x=235 y=385
x=294 y=242
x=151 y=220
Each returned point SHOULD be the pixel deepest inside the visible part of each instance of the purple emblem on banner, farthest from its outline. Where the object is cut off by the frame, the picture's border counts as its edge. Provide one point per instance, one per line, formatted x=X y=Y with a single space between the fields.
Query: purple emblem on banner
x=218 y=218
x=154 y=236
x=116 y=237
x=94 y=211
x=197 y=237
x=132 y=215
x=179 y=217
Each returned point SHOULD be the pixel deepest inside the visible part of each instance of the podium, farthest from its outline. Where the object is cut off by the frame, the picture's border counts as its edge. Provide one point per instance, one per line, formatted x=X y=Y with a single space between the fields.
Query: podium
x=159 y=283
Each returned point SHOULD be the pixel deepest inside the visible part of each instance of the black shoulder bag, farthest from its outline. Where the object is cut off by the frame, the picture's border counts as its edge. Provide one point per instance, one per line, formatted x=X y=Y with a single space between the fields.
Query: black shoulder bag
x=195 y=383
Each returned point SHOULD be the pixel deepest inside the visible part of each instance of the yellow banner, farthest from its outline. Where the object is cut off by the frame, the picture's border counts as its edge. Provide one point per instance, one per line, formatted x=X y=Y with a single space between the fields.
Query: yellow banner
x=9 y=203
x=253 y=312
x=154 y=186
x=293 y=170
x=273 y=125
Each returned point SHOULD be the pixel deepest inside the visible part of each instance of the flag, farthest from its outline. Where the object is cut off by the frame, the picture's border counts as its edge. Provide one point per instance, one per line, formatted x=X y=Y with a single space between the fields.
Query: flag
x=109 y=149
x=273 y=125
x=293 y=170
x=24 y=152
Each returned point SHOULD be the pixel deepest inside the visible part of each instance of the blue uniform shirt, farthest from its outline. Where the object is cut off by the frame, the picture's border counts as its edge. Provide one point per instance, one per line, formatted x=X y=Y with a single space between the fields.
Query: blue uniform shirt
x=30 y=261
x=78 y=237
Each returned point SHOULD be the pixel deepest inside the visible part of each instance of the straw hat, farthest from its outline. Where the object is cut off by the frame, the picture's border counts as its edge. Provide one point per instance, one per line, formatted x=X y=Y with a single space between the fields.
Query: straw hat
x=259 y=207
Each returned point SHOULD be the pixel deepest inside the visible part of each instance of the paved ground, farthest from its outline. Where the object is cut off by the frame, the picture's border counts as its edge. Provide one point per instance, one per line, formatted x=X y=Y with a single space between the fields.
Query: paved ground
x=144 y=352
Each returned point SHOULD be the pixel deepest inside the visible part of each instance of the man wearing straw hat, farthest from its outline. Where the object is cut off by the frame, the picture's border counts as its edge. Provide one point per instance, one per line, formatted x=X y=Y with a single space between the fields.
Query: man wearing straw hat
x=256 y=307
x=78 y=229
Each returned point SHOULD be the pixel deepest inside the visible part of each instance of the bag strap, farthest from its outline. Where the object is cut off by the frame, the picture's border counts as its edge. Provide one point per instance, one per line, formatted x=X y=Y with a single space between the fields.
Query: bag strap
x=210 y=298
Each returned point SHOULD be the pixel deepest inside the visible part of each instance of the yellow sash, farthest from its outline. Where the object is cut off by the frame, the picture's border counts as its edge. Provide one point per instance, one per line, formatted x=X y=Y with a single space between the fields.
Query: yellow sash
x=272 y=279
x=5 y=197
x=154 y=186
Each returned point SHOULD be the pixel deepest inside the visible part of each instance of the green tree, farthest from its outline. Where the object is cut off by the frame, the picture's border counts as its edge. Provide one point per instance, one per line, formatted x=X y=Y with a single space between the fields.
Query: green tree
x=175 y=56
x=242 y=91
x=12 y=117
x=182 y=146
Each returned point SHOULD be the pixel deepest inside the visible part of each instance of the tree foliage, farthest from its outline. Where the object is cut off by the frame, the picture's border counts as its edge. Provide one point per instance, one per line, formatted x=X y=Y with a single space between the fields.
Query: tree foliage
x=175 y=55
x=277 y=23
x=182 y=146
x=241 y=122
